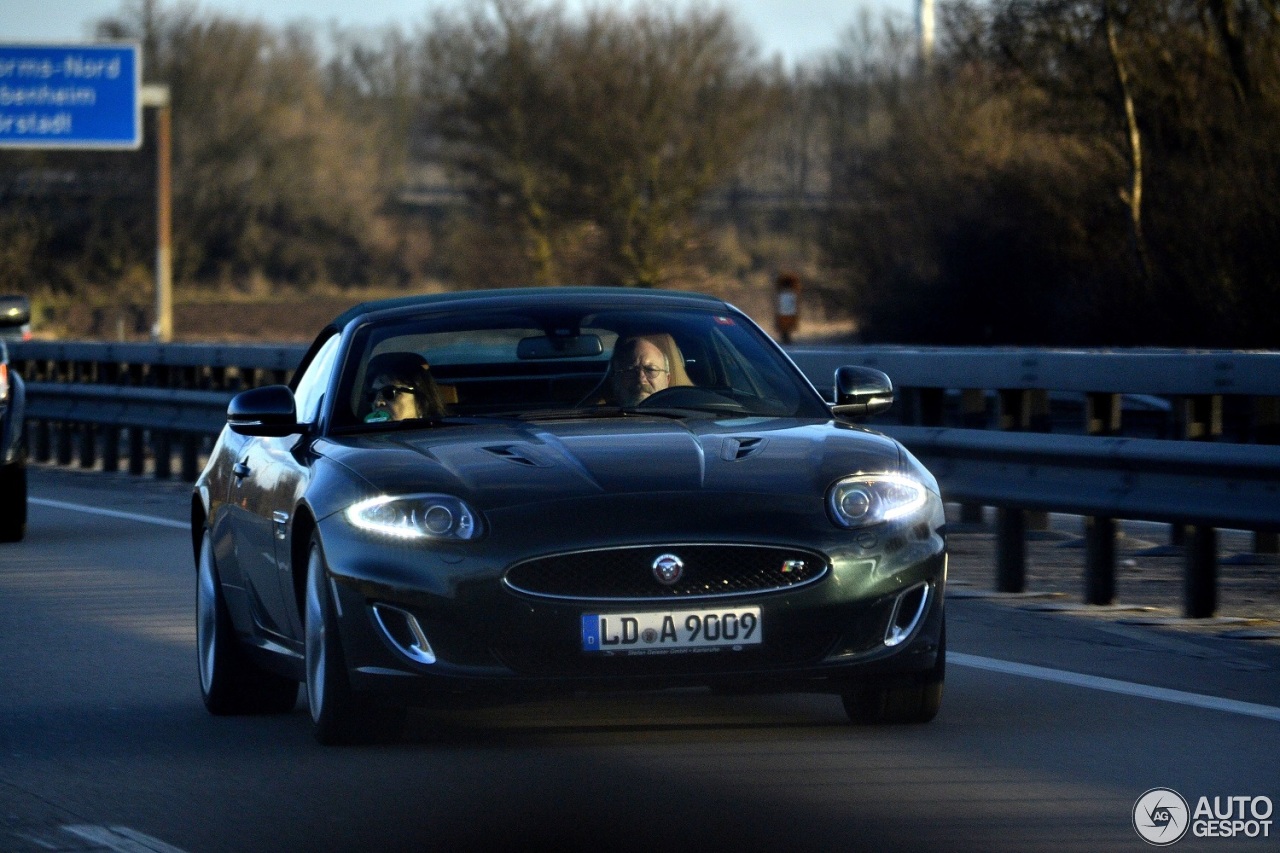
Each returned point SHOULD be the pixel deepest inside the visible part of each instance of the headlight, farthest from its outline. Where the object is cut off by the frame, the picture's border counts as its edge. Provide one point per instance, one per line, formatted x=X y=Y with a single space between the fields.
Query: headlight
x=867 y=499
x=416 y=517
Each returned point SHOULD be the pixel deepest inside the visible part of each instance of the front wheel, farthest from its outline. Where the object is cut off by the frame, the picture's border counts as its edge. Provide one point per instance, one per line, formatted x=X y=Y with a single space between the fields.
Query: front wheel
x=916 y=699
x=338 y=714
x=230 y=683
x=13 y=502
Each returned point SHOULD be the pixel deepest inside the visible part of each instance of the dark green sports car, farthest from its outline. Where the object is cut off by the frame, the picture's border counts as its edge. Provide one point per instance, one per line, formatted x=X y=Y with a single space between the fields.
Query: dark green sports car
x=506 y=493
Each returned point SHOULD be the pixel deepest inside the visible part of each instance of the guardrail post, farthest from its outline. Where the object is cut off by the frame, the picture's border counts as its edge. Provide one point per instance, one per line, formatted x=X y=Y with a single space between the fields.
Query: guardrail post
x=137 y=451
x=1024 y=410
x=1100 y=560
x=1011 y=550
x=43 y=441
x=64 y=443
x=973 y=415
x=1011 y=522
x=1199 y=418
x=190 y=457
x=1266 y=431
x=1101 y=417
x=111 y=448
x=931 y=406
x=88 y=446
x=1039 y=418
x=1200 y=587
x=162 y=444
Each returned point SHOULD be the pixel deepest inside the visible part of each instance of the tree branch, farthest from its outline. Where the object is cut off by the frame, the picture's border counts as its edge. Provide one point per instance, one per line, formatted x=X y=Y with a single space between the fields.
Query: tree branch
x=1134 y=194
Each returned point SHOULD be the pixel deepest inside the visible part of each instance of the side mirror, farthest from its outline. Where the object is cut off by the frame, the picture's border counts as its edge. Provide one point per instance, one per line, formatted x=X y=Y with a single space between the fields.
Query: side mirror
x=265 y=411
x=861 y=392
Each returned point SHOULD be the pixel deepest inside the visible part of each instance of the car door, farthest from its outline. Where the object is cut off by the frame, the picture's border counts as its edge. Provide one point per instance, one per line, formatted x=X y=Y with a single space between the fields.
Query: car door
x=269 y=475
x=250 y=517
x=290 y=469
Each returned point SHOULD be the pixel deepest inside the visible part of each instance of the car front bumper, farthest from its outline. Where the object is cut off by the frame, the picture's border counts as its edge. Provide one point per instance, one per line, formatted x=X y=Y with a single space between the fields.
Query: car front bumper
x=422 y=623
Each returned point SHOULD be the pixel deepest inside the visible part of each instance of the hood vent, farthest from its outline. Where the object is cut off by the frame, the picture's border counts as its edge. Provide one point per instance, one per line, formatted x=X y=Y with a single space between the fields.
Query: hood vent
x=515 y=453
x=740 y=448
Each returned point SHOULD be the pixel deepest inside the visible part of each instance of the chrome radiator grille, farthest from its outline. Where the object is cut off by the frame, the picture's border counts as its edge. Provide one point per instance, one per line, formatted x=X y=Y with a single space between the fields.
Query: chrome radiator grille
x=705 y=571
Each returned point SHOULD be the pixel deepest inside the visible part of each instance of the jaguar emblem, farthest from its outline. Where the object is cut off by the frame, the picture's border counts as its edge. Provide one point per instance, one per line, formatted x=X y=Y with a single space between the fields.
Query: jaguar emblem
x=668 y=568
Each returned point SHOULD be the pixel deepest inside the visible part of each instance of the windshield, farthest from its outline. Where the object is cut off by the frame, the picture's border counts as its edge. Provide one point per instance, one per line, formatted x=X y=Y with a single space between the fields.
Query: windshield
x=537 y=364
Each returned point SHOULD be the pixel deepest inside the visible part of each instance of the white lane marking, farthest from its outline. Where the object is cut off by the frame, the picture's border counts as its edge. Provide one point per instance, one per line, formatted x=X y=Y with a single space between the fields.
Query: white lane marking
x=121 y=839
x=1111 y=685
x=128 y=516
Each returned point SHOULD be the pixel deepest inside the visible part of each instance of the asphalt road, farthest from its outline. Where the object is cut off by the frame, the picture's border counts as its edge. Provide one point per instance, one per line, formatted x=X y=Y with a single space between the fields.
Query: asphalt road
x=1052 y=728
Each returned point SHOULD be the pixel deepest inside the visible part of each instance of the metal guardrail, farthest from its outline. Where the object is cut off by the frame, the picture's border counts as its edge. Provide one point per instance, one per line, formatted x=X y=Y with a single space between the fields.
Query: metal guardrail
x=1139 y=371
x=989 y=423
x=172 y=409
x=63 y=356
x=83 y=398
x=1217 y=485
x=1197 y=485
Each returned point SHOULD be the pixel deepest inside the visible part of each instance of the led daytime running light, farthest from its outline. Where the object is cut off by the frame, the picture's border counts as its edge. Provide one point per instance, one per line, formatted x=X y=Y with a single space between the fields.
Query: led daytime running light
x=414 y=517
x=867 y=499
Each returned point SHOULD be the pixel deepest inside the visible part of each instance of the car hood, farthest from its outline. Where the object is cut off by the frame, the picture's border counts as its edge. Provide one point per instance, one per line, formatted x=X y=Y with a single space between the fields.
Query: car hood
x=508 y=464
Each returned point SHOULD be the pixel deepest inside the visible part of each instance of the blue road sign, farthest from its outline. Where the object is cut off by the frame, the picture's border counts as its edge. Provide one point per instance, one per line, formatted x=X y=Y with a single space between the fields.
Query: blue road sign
x=70 y=96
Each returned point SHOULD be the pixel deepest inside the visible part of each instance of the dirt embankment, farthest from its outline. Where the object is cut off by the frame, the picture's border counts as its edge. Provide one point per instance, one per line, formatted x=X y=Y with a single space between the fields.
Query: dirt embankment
x=296 y=319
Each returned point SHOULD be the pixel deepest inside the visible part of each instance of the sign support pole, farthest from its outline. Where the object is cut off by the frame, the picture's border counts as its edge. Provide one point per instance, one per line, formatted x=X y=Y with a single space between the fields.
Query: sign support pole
x=157 y=96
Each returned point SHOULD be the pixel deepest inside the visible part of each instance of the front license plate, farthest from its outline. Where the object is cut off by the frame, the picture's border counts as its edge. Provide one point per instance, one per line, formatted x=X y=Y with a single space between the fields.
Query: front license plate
x=673 y=631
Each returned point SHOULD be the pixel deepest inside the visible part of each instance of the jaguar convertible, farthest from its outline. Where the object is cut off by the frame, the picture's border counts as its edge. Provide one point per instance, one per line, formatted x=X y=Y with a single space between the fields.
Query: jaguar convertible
x=481 y=497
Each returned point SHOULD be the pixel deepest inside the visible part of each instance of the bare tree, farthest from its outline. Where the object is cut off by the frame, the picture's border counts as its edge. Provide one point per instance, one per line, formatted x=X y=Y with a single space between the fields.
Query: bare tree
x=270 y=180
x=1133 y=195
x=1057 y=132
x=620 y=121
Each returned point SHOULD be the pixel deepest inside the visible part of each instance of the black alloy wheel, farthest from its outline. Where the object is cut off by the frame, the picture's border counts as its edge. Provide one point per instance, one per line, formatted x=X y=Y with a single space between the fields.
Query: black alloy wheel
x=230 y=683
x=339 y=715
x=914 y=699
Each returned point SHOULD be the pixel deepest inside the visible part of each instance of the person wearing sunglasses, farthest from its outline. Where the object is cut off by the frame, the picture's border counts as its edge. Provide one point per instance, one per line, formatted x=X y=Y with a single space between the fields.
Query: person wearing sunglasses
x=644 y=365
x=401 y=388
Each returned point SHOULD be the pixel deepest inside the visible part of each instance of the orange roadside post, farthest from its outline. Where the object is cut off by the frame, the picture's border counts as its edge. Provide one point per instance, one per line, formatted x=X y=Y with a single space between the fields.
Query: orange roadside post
x=787 y=316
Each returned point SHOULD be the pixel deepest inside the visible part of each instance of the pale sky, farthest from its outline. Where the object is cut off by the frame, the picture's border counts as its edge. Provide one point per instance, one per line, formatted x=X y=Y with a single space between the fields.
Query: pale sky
x=796 y=29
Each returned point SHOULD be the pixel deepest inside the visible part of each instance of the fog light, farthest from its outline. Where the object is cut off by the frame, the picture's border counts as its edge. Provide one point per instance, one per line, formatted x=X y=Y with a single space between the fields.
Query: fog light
x=401 y=628
x=908 y=610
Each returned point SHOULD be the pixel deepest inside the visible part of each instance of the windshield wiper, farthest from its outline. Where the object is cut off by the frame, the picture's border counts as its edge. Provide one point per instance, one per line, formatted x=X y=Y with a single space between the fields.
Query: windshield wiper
x=579 y=413
x=674 y=412
x=595 y=413
x=405 y=424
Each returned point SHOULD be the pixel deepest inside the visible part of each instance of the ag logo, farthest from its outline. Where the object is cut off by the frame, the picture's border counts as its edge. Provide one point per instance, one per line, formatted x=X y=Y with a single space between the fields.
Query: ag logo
x=1161 y=816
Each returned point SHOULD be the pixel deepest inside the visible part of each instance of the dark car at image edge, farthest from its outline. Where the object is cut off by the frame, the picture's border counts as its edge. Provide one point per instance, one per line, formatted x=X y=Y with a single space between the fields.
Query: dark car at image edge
x=736 y=531
x=15 y=314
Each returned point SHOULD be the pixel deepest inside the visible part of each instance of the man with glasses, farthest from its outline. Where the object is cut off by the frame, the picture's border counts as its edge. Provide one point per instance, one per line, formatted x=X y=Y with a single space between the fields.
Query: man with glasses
x=644 y=365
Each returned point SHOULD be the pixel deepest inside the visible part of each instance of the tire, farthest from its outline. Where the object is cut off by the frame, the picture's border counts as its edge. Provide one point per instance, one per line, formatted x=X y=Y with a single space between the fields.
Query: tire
x=914 y=700
x=13 y=502
x=230 y=683
x=338 y=714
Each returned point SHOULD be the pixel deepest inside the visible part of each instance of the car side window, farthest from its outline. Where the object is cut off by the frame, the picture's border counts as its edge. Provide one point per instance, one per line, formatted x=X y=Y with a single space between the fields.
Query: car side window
x=315 y=381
